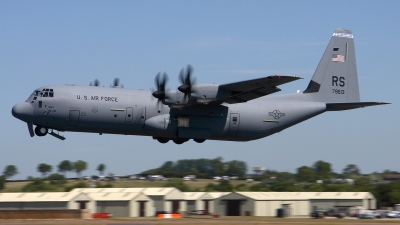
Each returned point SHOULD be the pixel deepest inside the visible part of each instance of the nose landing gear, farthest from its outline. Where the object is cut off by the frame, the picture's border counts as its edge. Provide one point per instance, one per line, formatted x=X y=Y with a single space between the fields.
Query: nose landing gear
x=41 y=131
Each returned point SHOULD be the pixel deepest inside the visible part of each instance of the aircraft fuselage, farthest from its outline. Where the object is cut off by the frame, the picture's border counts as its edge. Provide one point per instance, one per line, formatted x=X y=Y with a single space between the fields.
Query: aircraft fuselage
x=135 y=112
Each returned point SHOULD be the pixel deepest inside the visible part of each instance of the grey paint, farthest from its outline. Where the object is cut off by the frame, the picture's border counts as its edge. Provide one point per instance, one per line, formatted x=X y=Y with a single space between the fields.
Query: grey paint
x=32 y=205
x=331 y=203
x=158 y=202
x=190 y=205
x=116 y=208
x=229 y=112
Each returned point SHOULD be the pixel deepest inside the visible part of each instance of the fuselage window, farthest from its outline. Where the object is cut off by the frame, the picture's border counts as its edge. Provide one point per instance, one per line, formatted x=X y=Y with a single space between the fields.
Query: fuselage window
x=234 y=119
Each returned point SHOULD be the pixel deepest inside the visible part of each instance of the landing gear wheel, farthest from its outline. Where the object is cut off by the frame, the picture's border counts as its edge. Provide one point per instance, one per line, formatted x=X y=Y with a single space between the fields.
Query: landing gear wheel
x=199 y=140
x=41 y=131
x=163 y=141
x=180 y=140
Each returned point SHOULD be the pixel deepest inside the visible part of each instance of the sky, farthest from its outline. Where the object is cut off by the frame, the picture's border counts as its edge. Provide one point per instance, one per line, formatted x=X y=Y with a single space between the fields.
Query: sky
x=75 y=42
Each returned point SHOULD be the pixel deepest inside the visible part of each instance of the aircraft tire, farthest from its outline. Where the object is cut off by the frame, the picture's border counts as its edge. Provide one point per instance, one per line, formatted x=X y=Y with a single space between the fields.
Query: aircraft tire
x=163 y=141
x=178 y=141
x=199 y=140
x=41 y=131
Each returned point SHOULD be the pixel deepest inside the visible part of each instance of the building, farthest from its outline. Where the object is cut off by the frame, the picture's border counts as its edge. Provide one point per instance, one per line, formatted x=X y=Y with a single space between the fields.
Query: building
x=43 y=201
x=391 y=177
x=197 y=201
x=293 y=203
x=129 y=204
x=326 y=200
x=136 y=202
x=164 y=199
x=214 y=201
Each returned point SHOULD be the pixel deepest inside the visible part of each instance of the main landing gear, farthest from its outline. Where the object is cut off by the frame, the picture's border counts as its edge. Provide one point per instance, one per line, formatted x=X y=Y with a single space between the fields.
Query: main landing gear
x=177 y=141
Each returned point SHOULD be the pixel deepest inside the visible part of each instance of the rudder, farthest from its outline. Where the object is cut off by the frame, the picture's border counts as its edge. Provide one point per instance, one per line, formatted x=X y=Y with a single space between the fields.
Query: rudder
x=335 y=79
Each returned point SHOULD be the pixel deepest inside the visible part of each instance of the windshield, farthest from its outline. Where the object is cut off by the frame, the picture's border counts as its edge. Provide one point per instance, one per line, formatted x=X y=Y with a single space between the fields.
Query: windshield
x=44 y=93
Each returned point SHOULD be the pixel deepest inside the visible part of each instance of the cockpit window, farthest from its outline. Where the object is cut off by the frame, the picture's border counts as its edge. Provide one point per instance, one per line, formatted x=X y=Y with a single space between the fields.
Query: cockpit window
x=44 y=93
x=37 y=93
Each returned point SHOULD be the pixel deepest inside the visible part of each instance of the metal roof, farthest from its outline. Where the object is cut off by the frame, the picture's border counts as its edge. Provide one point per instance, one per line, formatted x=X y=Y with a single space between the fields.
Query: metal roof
x=112 y=196
x=38 y=197
x=305 y=195
x=197 y=196
x=146 y=191
x=216 y=195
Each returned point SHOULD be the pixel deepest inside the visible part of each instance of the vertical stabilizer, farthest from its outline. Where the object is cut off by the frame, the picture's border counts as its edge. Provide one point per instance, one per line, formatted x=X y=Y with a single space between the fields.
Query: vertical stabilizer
x=335 y=79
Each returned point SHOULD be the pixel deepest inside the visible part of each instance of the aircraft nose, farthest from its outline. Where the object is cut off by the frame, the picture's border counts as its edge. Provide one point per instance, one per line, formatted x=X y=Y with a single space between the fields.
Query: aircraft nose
x=23 y=111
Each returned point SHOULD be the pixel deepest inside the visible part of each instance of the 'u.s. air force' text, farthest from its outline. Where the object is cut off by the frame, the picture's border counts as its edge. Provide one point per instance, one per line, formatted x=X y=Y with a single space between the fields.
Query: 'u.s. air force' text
x=97 y=98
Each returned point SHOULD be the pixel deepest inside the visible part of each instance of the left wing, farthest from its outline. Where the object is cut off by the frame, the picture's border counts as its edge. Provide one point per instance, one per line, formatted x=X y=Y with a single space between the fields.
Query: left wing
x=244 y=91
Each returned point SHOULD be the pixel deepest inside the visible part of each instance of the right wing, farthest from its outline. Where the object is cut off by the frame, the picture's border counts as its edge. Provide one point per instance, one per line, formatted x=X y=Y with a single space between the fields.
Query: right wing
x=244 y=91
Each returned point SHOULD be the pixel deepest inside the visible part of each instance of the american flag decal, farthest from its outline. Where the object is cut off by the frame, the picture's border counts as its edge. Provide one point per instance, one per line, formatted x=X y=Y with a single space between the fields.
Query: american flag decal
x=337 y=58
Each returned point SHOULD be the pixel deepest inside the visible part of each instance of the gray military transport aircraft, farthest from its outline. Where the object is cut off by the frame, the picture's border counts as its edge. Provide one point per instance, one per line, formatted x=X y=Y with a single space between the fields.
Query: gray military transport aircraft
x=229 y=112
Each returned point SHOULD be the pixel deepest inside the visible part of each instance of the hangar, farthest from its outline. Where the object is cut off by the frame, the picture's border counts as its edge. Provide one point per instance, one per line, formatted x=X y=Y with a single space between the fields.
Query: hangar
x=293 y=203
x=134 y=202
x=341 y=199
x=129 y=204
x=214 y=201
x=197 y=201
x=164 y=199
x=44 y=200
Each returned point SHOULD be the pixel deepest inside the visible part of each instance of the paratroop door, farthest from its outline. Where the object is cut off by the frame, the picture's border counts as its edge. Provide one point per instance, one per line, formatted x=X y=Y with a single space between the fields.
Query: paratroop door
x=234 y=123
x=73 y=117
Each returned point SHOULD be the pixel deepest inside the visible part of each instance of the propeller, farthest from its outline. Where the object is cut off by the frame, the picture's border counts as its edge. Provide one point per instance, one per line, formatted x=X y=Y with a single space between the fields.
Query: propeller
x=95 y=83
x=185 y=77
x=116 y=83
x=160 y=81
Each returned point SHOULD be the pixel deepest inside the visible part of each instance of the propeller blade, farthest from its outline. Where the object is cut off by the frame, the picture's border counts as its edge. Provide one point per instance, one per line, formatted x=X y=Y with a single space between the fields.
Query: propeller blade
x=161 y=82
x=157 y=80
x=95 y=83
x=116 y=82
x=185 y=77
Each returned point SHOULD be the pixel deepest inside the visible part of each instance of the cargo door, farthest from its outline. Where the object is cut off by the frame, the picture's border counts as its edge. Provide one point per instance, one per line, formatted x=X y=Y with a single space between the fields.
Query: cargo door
x=234 y=124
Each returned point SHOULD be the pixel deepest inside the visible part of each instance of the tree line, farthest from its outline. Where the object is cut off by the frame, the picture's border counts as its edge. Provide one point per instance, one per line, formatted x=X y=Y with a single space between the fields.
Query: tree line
x=64 y=167
x=202 y=168
x=304 y=179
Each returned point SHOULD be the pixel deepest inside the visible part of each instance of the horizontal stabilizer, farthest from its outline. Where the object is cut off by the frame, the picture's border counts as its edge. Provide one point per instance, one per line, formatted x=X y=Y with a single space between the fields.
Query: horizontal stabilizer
x=351 y=105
